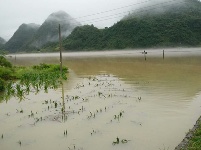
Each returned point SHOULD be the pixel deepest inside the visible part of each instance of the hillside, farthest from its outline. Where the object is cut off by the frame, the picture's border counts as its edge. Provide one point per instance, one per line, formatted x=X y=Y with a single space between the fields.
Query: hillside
x=172 y=25
x=2 y=42
x=168 y=24
x=20 y=38
x=48 y=31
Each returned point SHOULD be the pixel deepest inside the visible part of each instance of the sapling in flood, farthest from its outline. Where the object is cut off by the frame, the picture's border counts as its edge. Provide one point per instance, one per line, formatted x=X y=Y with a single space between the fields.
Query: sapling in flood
x=55 y=104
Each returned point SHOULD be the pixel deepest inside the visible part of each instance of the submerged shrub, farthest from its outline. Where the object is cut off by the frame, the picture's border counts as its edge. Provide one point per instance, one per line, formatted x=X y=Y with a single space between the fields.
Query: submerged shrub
x=49 y=68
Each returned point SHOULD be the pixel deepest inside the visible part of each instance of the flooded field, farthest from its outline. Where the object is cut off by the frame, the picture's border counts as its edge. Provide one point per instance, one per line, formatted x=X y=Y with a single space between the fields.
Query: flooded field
x=109 y=97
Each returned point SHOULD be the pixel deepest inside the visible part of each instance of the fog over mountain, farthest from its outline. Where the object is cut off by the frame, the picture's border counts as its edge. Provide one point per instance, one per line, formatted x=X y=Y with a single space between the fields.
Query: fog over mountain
x=152 y=23
x=2 y=41
x=48 y=31
x=158 y=7
x=15 y=12
x=20 y=38
x=176 y=24
x=32 y=36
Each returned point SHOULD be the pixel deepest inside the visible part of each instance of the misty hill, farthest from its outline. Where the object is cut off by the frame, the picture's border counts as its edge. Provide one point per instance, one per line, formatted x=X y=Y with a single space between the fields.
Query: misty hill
x=48 y=31
x=159 y=7
x=178 y=24
x=2 y=42
x=20 y=38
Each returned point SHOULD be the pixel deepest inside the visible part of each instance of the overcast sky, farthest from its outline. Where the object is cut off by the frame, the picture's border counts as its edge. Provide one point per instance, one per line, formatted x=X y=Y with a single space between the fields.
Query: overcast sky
x=15 y=12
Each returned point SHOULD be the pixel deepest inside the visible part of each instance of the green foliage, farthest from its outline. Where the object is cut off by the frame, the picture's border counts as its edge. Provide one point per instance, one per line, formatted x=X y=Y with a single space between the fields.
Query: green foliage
x=4 y=62
x=85 y=37
x=6 y=72
x=49 y=68
x=3 y=52
x=162 y=30
x=50 y=47
x=195 y=142
x=175 y=24
x=38 y=77
x=178 y=25
x=2 y=85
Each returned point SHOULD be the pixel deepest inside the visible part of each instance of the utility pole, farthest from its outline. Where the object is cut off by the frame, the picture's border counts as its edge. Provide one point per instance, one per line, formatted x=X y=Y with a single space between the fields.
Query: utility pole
x=60 y=47
x=145 y=58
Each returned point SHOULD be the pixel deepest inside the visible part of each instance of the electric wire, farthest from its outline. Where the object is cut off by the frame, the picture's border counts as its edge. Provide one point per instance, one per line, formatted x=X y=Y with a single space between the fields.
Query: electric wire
x=138 y=11
x=123 y=14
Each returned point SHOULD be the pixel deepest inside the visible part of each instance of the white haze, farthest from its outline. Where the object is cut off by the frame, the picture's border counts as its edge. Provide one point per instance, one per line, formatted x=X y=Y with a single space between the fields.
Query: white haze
x=15 y=12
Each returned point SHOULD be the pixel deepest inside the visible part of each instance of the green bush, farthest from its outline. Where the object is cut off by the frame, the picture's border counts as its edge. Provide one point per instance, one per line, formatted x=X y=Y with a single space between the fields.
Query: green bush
x=4 y=62
x=6 y=73
x=2 y=85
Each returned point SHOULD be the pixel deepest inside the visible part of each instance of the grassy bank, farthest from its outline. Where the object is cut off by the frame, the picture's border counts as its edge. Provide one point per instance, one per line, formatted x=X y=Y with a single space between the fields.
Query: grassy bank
x=192 y=141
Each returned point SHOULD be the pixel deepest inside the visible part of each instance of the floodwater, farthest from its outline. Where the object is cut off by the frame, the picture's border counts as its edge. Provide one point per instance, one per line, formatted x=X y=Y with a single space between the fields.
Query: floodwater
x=152 y=104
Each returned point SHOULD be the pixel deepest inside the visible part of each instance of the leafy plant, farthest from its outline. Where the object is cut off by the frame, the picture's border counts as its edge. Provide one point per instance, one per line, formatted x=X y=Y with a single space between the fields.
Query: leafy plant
x=43 y=76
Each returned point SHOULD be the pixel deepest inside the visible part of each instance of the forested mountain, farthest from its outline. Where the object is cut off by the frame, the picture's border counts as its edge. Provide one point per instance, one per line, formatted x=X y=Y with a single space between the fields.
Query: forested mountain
x=21 y=37
x=31 y=37
x=178 y=24
x=168 y=24
x=48 y=31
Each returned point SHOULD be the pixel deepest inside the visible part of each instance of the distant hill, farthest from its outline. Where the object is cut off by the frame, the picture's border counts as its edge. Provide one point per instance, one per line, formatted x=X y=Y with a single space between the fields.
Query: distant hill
x=48 y=31
x=21 y=37
x=2 y=41
x=31 y=37
x=166 y=25
x=154 y=8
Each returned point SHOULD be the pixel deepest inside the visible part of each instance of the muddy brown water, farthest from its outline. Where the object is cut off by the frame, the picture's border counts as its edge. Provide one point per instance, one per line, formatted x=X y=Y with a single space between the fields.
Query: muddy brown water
x=160 y=100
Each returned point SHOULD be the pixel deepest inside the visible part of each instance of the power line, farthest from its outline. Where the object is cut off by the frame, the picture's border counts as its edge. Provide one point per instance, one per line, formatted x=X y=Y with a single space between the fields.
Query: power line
x=141 y=10
x=103 y=12
x=138 y=11
x=112 y=9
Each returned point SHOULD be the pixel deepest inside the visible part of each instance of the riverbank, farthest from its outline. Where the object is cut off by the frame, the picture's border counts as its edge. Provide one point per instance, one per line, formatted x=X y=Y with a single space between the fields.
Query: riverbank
x=192 y=141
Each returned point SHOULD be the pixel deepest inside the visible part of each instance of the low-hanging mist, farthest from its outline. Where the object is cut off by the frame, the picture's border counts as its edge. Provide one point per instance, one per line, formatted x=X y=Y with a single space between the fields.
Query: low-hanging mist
x=33 y=37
